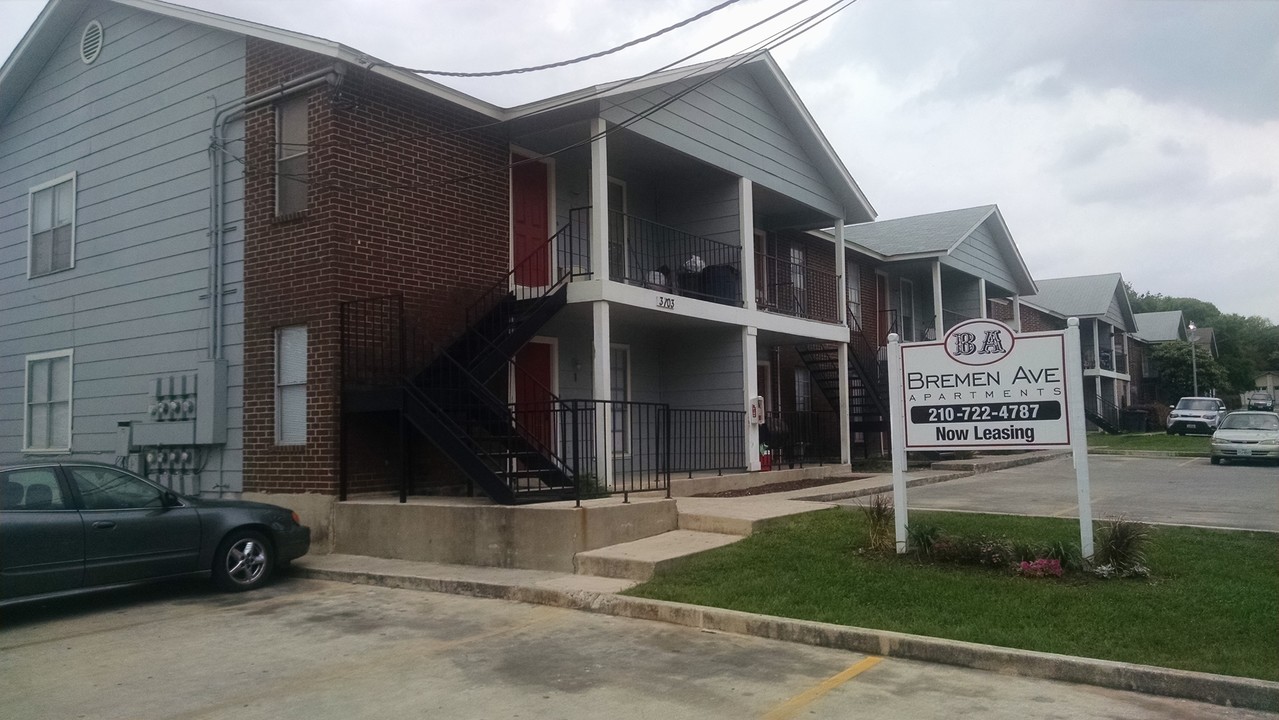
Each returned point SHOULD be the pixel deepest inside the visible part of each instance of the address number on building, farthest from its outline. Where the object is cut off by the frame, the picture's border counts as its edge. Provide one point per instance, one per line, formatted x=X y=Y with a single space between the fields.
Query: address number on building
x=979 y=412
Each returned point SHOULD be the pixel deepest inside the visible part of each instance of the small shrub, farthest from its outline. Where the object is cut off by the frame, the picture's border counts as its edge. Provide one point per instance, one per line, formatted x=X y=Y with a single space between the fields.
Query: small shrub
x=994 y=551
x=922 y=537
x=1042 y=567
x=1068 y=554
x=1121 y=545
x=880 y=527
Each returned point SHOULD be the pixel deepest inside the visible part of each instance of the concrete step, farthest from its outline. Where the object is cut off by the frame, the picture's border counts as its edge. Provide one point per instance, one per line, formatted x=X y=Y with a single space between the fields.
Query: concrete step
x=742 y=515
x=639 y=559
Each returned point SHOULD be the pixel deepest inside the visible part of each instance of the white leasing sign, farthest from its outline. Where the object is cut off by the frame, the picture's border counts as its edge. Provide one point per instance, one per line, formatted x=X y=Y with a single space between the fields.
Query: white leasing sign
x=985 y=387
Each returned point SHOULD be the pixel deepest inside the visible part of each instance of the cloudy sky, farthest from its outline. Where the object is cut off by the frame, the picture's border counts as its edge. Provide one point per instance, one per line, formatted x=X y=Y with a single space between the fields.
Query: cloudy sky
x=1136 y=136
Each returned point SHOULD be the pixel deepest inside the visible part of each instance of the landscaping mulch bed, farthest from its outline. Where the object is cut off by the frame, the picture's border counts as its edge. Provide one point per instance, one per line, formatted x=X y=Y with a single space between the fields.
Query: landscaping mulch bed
x=784 y=486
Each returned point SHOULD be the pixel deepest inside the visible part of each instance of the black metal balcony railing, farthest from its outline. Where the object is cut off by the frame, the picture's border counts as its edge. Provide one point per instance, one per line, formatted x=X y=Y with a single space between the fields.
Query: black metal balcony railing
x=641 y=438
x=802 y=437
x=793 y=289
x=647 y=254
x=1121 y=362
x=703 y=440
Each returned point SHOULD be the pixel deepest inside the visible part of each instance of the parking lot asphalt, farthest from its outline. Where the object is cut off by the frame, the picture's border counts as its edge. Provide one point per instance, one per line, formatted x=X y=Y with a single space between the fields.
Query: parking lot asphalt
x=320 y=650
x=1180 y=491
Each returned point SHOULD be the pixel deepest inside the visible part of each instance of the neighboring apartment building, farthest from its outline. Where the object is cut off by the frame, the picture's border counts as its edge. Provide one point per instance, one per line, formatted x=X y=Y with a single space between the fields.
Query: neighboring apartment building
x=1153 y=328
x=1105 y=320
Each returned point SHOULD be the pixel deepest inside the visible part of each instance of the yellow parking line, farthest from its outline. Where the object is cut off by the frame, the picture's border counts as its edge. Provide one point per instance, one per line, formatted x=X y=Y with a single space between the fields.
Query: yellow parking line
x=791 y=707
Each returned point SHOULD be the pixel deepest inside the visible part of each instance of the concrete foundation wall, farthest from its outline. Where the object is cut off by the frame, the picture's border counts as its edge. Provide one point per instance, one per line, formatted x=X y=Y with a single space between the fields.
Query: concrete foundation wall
x=315 y=510
x=468 y=532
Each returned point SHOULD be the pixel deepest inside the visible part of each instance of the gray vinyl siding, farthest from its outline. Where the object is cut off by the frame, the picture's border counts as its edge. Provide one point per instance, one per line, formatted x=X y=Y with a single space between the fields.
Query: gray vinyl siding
x=134 y=126
x=702 y=369
x=710 y=210
x=979 y=256
x=1115 y=315
x=731 y=124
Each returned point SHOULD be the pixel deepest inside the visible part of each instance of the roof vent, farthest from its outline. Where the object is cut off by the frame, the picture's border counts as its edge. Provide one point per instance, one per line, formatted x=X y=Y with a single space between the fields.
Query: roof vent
x=91 y=42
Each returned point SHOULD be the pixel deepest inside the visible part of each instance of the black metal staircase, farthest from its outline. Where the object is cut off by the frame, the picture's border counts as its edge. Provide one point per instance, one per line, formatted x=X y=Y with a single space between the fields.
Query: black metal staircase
x=451 y=399
x=1103 y=413
x=867 y=379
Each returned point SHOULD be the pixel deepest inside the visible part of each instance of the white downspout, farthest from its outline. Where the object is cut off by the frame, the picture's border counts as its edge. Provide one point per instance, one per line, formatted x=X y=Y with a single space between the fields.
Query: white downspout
x=217 y=160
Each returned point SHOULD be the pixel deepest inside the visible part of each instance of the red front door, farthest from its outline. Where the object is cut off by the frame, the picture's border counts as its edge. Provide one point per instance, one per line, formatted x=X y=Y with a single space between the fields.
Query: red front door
x=533 y=383
x=530 y=223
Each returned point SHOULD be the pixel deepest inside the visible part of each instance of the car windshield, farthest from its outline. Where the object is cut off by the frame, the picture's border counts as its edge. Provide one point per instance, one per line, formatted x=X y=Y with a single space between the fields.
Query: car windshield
x=1251 y=422
x=1197 y=405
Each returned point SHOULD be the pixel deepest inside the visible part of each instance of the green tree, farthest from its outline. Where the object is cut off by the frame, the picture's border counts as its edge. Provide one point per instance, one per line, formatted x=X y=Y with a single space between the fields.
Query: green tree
x=1177 y=370
x=1246 y=346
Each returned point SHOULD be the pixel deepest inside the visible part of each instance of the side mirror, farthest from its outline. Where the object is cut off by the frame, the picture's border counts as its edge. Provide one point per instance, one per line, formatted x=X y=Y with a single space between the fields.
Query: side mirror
x=171 y=500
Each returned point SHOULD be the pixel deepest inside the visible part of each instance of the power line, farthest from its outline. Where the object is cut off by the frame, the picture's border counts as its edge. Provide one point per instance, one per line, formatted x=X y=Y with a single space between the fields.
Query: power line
x=790 y=33
x=573 y=61
x=610 y=88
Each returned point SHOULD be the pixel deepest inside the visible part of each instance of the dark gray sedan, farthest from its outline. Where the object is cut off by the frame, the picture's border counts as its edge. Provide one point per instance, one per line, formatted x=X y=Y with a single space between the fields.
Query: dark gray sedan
x=68 y=527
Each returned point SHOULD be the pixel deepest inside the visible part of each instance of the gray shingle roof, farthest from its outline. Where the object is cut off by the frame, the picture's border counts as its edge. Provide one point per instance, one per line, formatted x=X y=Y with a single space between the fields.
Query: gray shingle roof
x=1083 y=296
x=1156 y=327
x=935 y=232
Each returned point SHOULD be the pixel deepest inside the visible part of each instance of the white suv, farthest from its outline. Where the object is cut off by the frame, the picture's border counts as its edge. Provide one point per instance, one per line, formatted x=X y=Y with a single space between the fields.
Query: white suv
x=1196 y=414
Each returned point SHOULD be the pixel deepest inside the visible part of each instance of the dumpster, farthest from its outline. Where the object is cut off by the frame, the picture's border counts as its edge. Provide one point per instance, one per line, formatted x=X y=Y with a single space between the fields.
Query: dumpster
x=1134 y=421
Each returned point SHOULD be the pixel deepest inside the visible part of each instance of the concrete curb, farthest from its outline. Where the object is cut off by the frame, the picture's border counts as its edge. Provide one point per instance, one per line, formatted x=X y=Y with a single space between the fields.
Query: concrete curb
x=1148 y=453
x=886 y=487
x=1203 y=687
x=990 y=464
x=960 y=468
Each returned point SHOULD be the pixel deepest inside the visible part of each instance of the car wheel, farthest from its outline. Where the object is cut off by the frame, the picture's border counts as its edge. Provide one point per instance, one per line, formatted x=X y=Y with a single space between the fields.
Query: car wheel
x=243 y=561
x=1215 y=460
x=1169 y=431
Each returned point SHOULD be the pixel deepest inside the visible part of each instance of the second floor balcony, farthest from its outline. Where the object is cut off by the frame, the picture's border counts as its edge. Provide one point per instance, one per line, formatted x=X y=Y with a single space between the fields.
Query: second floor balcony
x=672 y=261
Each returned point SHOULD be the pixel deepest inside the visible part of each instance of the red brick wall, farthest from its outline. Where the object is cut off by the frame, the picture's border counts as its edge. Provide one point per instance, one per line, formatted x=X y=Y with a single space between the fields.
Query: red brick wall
x=1033 y=320
x=378 y=221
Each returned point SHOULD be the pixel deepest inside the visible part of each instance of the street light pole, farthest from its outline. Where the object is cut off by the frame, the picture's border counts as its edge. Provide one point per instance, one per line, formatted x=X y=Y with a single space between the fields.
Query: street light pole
x=1194 y=366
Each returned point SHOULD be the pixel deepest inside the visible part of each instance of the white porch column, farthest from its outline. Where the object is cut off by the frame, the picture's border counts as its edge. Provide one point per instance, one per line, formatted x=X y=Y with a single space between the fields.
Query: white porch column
x=939 y=323
x=981 y=297
x=746 y=230
x=845 y=420
x=841 y=271
x=1017 y=313
x=601 y=389
x=599 y=203
x=750 y=388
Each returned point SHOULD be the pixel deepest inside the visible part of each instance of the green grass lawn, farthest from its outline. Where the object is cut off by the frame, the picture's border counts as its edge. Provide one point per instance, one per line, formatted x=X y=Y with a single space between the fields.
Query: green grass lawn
x=1211 y=604
x=1153 y=441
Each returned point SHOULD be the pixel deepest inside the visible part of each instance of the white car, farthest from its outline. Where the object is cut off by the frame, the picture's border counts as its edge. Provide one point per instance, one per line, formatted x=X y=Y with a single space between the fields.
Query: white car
x=1247 y=435
x=1196 y=414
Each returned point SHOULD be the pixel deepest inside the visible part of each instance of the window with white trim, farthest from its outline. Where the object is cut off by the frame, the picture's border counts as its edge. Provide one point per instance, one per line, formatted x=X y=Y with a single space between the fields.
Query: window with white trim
x=797 y=267
x=853 y=284
x=803 y=390
x=620 y=393
x=291 y=158
x=290 y=385
x=51 y=220
x=46 y=425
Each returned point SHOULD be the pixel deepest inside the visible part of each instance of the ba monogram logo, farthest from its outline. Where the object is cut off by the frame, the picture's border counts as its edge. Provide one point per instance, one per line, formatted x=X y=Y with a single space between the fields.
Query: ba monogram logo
x=979 y=342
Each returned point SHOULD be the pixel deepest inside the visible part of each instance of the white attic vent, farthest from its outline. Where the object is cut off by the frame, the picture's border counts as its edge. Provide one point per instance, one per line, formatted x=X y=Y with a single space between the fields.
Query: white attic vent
x=91 y=42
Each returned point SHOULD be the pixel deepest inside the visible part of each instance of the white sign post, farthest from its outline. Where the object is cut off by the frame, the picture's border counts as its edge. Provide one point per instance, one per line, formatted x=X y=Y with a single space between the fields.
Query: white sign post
x=985 y=387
